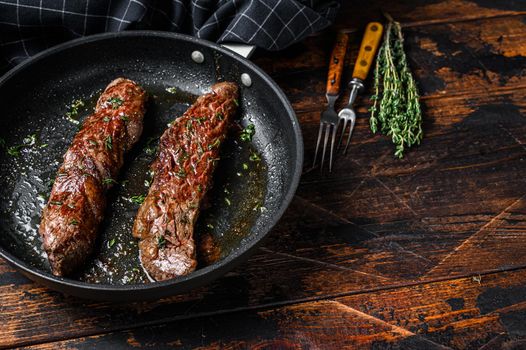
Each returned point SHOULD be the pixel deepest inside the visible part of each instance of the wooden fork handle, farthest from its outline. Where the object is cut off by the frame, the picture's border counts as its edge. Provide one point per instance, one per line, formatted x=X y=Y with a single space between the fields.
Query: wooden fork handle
x=370 y=42
x=336 y=64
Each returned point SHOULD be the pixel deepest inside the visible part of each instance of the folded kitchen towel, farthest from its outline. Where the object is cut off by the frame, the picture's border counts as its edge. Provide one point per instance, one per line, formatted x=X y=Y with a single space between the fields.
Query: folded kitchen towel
x=30 y=26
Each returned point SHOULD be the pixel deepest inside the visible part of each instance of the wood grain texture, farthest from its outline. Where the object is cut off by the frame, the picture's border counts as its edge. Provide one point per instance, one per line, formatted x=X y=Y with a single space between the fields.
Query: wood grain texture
x=345 y=234
x=463 y=313
x=448 y=59
x=379 y=234
x=421 y=12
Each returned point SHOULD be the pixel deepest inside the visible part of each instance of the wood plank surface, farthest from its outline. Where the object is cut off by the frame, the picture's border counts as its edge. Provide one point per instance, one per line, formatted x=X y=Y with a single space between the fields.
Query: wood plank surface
x=465 y=313
x=359 y=230
x=479 y=56
x=453 y=207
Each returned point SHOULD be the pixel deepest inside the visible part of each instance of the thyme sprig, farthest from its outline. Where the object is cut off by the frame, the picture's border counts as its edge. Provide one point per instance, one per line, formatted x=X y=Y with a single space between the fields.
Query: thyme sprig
x=396 y=108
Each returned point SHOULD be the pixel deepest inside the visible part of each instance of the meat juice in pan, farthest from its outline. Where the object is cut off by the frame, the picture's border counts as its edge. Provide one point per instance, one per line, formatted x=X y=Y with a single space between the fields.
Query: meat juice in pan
x=234 y=202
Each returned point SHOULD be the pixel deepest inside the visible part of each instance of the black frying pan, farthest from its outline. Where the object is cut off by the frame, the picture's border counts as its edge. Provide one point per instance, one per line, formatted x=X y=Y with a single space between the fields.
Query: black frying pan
x=248 y=196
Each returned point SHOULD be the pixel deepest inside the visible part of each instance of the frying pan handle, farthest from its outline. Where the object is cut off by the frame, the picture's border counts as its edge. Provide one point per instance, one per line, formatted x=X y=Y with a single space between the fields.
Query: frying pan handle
x=241 y=49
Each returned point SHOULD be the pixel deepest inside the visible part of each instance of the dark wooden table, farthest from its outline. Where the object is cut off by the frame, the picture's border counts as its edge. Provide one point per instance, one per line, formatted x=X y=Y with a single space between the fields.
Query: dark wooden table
x=428 y=252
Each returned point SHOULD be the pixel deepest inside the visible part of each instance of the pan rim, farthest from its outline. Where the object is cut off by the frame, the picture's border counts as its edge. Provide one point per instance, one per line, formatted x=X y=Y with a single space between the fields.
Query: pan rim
x=224 y=264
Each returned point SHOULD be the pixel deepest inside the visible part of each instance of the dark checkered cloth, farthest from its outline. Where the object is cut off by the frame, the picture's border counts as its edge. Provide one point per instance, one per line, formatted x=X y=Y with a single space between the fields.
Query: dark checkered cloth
x=30 y=26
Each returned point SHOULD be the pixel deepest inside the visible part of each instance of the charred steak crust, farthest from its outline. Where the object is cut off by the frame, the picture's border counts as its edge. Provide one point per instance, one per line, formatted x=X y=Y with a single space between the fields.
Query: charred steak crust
x=75 y=209
x=188 y=152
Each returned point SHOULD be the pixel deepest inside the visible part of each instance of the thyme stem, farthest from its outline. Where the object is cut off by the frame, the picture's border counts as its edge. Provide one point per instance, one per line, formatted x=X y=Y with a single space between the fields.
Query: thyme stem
x=396 y=108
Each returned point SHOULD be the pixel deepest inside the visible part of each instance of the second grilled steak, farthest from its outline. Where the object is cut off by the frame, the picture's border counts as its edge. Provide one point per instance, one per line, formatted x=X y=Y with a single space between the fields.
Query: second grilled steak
x=188 y=152
x=75 y=209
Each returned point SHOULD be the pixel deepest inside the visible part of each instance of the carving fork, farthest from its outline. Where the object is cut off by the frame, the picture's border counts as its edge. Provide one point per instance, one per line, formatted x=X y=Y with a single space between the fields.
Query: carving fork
x=329 y=119
x=364 y=61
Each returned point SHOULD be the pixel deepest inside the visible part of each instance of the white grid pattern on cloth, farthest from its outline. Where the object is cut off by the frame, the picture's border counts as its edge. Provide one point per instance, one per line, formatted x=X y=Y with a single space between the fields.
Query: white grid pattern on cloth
x=29 y=26
x=60 y=11
x=285 y=25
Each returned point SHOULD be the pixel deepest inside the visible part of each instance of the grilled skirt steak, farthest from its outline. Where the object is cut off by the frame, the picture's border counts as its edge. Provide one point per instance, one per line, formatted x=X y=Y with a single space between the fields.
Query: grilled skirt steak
x=75 y=209
x=188 y=152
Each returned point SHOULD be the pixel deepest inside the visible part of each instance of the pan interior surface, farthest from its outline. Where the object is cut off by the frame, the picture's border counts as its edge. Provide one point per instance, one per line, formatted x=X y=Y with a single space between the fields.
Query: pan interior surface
x=35 y=131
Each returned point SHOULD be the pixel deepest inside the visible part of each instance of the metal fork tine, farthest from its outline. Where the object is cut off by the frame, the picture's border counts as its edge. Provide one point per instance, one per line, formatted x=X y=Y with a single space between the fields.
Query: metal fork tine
x=349 y=136
x=318 y=144
x=325 y=141
x=334 y=131
x=343 y=133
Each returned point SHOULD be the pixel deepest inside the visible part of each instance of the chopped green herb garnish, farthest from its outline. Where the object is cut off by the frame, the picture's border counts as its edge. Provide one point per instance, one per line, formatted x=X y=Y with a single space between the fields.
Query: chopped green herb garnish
x=136 y=269
x=30 y=140
x=254 y=157
x=93 y=142
x=124 y=183
x=239 y=174
x=56 y=202
x=111 y=243
x=77 y=104
x=236 y=102
x=260 y=208
x=124 y=117
x=108 y=181
x=74 y=222
x=248 y=133
x=210 y=226
x=115 y=102
x=181 y=173
x=74 y=111
x=108 y=142
x=106 y=119
x=200 y=188
x=71 y=206
x=200 y=120
x=216 y=143
x=44 y=145
x=15 y=150
x=245 y=166
x=161 y=242
x=227 y=201
x=150 y=148
x=147 y=183
x=219 y=116
x=171 y=89
x=137 y=199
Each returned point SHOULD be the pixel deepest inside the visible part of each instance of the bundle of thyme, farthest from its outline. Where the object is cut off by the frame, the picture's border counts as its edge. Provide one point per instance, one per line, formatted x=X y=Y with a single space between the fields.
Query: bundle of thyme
x=396 y=108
